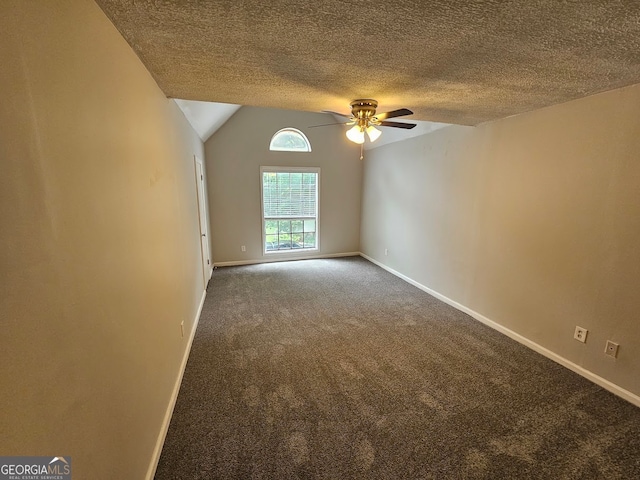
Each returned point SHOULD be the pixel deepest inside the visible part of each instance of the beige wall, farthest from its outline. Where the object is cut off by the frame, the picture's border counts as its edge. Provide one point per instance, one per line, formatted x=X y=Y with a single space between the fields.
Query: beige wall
x=234 y=155
x=532 y=221
x=99 y=244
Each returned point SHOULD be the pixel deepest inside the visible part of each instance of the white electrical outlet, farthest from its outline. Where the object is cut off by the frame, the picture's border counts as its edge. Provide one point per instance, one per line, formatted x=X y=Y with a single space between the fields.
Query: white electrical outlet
x=386 y=251
x=611 y=349
x=243 y=248
x=182 y=328
x=580 y=334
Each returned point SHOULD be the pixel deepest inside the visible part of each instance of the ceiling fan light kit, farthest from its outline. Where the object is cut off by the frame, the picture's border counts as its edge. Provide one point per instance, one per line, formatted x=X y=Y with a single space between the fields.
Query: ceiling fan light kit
x=356 y=133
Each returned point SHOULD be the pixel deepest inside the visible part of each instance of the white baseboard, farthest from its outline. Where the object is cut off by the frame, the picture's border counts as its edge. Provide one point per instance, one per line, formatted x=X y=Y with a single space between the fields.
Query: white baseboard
x=287 y=258
x=604 y=383
x=174 y=396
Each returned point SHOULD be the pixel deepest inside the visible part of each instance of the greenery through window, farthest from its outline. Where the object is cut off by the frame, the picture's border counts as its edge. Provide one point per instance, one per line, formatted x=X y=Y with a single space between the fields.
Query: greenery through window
x=289 y=140
x=290 y=208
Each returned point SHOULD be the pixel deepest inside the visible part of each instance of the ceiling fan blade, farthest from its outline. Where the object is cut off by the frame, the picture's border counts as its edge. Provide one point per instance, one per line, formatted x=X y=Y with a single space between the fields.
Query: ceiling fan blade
x=327 y=124
x=406 y=126
x=336 y=113
x=401 y=112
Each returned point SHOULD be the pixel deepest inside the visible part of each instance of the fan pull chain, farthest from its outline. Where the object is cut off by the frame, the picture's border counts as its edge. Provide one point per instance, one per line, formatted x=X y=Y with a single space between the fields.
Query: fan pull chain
x=362 y=151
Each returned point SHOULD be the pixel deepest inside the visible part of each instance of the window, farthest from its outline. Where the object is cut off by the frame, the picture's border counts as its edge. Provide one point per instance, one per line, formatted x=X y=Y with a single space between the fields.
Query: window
x=290 y=209
x=289 y=140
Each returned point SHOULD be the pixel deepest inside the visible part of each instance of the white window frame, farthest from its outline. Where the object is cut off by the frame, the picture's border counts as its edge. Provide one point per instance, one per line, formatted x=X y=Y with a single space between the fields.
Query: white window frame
x=315 y=170
x=292 y=130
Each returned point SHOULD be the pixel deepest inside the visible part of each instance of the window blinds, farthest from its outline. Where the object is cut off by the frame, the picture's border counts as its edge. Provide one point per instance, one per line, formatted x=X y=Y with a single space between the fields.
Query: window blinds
x=288 y=195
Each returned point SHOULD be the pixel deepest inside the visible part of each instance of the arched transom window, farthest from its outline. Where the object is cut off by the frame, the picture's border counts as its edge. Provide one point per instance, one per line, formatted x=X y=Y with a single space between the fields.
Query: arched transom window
x=289 y=140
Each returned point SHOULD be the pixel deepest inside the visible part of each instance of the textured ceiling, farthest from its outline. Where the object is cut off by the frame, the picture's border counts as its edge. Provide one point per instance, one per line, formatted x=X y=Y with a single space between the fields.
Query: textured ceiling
x=452 y=61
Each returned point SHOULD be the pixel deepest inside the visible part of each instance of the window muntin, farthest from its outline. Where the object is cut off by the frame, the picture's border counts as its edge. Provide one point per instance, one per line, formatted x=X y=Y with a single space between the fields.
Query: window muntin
x=289 y=140
x=289 y=209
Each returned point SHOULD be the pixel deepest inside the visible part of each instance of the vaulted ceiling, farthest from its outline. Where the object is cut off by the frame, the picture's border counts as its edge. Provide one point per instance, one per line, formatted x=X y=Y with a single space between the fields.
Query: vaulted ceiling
x=452 y=61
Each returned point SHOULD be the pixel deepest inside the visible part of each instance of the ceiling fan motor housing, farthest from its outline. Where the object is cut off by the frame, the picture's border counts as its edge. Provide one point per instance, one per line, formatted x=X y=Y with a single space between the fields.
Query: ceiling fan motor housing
x=364 y=108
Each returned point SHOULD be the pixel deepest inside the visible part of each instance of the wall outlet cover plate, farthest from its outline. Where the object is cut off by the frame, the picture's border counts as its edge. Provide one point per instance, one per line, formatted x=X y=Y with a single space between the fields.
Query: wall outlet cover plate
x=580 y=334
x=611 y=349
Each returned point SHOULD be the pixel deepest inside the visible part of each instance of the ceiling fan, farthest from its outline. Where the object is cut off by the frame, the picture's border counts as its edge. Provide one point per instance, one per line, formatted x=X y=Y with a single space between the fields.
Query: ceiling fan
x=364 y=119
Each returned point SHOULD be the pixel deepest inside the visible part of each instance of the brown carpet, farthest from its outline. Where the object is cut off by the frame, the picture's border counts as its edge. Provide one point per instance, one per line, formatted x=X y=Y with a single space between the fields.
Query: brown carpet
x=336 y=369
